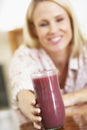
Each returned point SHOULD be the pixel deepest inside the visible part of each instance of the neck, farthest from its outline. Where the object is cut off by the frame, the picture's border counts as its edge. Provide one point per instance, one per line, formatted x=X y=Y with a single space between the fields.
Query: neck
x=60 y=59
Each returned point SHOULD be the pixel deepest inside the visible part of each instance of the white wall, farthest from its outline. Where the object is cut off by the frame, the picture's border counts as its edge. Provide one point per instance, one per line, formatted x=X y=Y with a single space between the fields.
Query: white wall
x=80 y=7
x=12 y=13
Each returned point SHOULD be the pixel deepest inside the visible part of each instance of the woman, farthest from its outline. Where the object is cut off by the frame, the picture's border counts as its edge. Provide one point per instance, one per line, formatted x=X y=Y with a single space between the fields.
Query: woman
x=53 y=40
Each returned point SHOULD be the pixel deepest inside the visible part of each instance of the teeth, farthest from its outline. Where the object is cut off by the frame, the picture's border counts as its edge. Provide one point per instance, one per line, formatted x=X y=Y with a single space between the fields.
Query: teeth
x=55 y=39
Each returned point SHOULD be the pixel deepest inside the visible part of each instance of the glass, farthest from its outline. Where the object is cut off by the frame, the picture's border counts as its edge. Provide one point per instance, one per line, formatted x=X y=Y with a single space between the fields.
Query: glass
x=49 y=99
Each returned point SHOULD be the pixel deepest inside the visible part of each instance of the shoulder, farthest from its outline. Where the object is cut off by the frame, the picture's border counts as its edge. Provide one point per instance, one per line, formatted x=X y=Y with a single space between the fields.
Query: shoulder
x=24 y=51
x=28 y=55
x=25 y=56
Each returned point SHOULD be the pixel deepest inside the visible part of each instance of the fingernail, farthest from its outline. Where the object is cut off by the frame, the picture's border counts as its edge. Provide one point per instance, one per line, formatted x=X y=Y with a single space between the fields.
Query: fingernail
x=38 y=109
x=40 y=118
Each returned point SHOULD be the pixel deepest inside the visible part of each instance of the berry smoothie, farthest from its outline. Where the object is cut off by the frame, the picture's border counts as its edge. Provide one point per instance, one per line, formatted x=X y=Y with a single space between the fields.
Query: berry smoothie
x=49 y=100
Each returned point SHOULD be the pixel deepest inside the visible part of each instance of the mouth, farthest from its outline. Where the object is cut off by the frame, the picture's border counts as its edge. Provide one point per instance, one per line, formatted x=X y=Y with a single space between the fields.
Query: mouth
x=55 y=40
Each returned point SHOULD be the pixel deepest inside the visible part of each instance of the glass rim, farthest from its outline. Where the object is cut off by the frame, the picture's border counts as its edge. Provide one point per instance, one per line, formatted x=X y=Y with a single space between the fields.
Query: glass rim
x=43 y=73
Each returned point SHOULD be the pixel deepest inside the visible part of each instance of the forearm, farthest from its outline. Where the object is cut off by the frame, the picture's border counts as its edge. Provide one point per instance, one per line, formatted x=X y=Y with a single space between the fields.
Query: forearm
x=75 y=97
x=25 y=94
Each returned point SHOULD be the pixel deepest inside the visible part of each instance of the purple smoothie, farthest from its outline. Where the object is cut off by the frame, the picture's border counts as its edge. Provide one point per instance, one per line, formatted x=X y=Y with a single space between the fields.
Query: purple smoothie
x=50 y=101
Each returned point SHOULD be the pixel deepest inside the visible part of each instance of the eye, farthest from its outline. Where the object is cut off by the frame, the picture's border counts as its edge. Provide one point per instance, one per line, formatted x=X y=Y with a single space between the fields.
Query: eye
x=44 y=24
x=59 y=19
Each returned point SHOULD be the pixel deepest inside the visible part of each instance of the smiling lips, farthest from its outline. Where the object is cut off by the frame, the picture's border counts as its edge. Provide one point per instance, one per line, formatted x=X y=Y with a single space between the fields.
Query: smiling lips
x=55 y=40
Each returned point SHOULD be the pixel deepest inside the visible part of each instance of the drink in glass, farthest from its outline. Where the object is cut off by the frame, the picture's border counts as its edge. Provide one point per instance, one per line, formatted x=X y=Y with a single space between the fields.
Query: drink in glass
x=49 y=99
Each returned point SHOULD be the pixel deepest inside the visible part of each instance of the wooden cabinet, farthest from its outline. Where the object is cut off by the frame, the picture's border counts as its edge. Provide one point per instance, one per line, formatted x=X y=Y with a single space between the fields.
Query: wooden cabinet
x=15 y=37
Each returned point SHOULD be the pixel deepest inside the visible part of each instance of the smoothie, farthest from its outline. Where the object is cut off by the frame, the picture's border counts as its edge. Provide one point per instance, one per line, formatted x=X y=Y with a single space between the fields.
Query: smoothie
x=50 y=101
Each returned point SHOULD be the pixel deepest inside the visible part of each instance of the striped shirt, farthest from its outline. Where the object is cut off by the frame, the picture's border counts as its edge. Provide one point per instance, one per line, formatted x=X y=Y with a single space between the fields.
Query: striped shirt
x=27 y=61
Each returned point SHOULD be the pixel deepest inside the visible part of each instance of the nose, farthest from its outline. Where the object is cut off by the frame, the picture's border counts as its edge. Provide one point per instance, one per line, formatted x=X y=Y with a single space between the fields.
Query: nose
x=53 y=28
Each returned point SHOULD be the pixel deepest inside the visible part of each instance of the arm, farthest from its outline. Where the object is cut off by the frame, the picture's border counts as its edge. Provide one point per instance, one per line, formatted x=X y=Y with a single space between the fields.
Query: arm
x=75 y=97
x=22 y=65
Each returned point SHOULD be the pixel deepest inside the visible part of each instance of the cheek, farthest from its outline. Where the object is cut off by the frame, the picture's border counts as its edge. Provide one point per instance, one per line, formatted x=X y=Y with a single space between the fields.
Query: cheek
x=68 y=30
x=38 y=32
x=41 y=31
x=41 y=34
x=67 y=26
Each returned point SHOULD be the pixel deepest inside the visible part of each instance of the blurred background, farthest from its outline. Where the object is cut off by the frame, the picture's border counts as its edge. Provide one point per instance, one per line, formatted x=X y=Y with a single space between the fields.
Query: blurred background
x=12 y=14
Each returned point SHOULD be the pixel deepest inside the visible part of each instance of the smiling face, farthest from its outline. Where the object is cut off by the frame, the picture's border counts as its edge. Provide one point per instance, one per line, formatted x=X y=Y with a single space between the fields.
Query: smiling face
x=52 y=26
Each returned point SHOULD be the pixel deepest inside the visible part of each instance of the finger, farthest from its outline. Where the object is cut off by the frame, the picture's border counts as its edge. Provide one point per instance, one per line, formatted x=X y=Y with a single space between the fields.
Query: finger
x=35 y=111
x=36 y=118
x=37 y=125
x=33 y=102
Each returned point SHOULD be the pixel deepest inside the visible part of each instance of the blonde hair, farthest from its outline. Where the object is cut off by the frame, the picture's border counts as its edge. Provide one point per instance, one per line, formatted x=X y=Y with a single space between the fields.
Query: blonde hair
x=32 y=41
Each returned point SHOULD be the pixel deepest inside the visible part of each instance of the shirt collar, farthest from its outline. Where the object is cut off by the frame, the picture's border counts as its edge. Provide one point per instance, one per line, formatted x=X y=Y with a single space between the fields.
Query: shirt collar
x=73 y=64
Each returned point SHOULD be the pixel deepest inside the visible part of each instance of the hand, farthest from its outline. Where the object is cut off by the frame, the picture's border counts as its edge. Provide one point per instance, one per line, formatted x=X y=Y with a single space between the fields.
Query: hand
x=27 y=104
x=76 y=97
